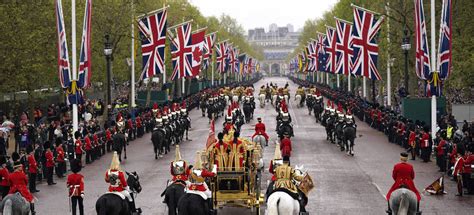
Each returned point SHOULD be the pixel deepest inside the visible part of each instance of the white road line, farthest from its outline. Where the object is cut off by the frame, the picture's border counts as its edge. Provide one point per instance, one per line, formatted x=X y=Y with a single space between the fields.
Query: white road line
x=378 y=188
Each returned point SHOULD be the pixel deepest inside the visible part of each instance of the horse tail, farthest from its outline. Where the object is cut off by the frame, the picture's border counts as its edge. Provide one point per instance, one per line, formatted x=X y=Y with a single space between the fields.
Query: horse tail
x=102 y=210
x=8 y=207
x=273 y=204
x=404 y=203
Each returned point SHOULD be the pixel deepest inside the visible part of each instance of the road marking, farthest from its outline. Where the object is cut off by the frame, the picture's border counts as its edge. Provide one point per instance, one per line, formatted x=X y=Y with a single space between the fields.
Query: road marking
x=378 y=188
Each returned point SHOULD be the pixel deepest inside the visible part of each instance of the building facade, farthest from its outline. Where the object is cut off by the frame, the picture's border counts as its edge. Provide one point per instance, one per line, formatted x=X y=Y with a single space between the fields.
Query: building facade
x=277 y=43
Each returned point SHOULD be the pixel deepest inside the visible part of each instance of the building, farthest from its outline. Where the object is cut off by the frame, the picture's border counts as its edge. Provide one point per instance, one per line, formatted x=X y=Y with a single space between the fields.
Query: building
x=277 y=43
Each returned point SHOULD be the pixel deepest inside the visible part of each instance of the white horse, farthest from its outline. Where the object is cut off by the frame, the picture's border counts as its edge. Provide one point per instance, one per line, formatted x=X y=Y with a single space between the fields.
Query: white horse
x=298 y=101
x=403 y=202
x=227 y=100
x=274 y=100
x=260 y=139
x=261 y=98
x=281 y=203
x=235 y=98
x=286 y=98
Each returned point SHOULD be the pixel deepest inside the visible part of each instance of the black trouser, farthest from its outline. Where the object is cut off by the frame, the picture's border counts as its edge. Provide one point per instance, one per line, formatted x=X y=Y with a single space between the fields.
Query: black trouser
x=88 y=156
x=109 y=145
x=79 y=158
x=32 y=182
x=4 y=191
x=61 y=169
x=49 y=174
x=74 y=201
x=441 y=160
x=468 y=182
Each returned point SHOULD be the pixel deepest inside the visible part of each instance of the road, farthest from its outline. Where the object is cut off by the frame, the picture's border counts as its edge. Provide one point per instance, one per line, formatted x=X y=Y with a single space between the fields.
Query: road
x=344 y=184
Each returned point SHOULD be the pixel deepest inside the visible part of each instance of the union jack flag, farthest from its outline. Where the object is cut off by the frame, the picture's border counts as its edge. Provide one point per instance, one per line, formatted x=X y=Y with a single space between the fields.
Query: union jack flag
x=310 y=55
x=321 y=51
x=445 y=41
x=364 y=43
x=422 y=64
x=85 y=70
x=198 y=44
x=153 y=38
x=251 y=65
x=64 y=70
x=221 y=56
x=344 y=51
x=231 y=58
x=330 y=48
x=208 y=46
x=181 y=51
x=314 y=55
x=236 y=60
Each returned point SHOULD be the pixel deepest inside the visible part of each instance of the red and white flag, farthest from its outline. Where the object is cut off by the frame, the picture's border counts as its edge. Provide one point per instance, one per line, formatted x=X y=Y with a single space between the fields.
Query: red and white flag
x=198 y=43
x=181 y=51
x=85 y=72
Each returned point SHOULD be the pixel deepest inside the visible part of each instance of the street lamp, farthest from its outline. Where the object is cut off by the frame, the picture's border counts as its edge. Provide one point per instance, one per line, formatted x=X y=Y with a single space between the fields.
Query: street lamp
x=406 y=47
x=108 y=58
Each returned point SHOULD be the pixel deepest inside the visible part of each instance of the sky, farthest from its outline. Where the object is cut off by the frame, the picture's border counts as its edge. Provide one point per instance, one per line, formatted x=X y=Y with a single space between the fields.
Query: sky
x=261 y=13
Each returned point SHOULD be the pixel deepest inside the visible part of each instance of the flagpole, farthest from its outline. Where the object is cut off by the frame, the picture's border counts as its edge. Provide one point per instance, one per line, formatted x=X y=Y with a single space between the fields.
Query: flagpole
x=433 y=69
x=389 y=84
x=75 y=114
x=349 y=82
x=212 y=70
x=337 y=81
x=364 y=87
x=132 y=53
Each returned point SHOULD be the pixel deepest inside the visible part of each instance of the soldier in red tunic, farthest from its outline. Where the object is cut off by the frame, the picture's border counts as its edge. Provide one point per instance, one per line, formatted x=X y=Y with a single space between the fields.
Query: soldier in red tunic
x=108 y=138
x=260 y=130
x=49 y=166
x=4 y=185
x=60 y=160
x=467 y=176
x=425 y=146
x=78 y=148
x=88 y=148
x=32 y=169
x=285 y=147
x=441 y=154
x=75 y=184
x=403 y=174
x=17 y=180
x=458 y=172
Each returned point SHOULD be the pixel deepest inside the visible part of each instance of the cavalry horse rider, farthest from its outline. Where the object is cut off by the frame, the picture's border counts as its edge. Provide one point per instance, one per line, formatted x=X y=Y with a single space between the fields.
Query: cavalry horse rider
x=403 y=174
x=285 y=177
x=117 y=182
x=260 y=130
x=197 y=184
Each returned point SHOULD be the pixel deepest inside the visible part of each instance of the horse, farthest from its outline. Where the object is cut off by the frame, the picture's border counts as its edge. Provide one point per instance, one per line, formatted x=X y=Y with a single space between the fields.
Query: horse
x=274 y=100
x=172 y=195
x=403 y=202
x=261 y=98
x=193 y=204
x=186 y=125
x=260 y=139
x=298 y=101
x=203 y=105
x=281 y=202
x=111 y=203
x=349 y=136
x=318 y=109
x=330 y=128
x=15 y=204
x=339 y=134
x=309 y=103
x=235 y=98
x=157 y=138
x=285 y=128
x=247 y=111
x=119 y=144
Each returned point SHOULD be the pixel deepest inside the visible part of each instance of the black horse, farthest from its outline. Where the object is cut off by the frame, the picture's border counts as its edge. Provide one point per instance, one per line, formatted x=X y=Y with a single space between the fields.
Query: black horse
x=192 y=204
x=186 y=125
x=349 y=136
x=247 y=111
x=172 y=195
x=110 y=203
x=310 y=103
x=285 y=127
x=339 y=134
x=318 y=109
x=330 y=122
x=157 y=138
x=119 y=144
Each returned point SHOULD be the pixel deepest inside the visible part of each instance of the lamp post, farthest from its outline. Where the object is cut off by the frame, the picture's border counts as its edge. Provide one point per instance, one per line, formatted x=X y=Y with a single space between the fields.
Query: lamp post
x=406 y=47
x=108 y=58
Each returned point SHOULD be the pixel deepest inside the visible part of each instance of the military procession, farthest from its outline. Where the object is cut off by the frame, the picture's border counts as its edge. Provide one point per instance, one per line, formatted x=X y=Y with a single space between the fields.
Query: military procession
x=219 y=121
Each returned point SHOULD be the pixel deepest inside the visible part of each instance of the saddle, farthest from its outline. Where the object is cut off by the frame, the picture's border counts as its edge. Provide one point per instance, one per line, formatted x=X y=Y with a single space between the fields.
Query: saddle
x=118 y=194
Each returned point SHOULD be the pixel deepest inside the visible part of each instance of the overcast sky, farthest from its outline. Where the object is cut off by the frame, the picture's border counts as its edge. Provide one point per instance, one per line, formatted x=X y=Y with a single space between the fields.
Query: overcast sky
x=262 y=13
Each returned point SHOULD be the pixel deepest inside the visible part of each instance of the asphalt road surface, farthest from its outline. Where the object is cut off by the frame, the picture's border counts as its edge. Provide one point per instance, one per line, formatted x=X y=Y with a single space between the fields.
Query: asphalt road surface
x=344 y=184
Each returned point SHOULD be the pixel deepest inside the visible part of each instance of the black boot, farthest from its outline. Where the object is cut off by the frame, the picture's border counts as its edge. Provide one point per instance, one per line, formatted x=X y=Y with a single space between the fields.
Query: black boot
x=32 y=208
x=389 y=210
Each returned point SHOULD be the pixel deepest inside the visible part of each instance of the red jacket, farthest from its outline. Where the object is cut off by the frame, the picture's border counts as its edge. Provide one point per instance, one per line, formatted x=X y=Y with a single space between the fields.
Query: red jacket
x=439 y=148
x=122 y=184
x=32 y=166
x=468 y=161
x=18 y=182
x=4 y=177
x=260 y=129
x=425 y=140
x=75 y=183
x=285 y=147
x=138 y=121
x=412 y=139
x=49 y=159
x=60 y=154
x=78 y=148
x=108 y=135
x=459 y=166
x=88 y=143
x=403 y=174
x=129 y=123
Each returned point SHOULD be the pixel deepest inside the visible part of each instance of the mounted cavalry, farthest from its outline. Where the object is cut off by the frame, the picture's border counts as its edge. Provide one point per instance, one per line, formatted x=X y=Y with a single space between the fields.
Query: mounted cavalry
x=284 y=121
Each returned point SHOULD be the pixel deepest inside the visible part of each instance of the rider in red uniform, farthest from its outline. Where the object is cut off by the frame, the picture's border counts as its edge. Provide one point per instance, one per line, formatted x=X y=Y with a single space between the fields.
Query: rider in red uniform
x=18 y=182
x=403 y=174
x=260 y=129
x=117 y=182
x=179 y=168
x=285 y=147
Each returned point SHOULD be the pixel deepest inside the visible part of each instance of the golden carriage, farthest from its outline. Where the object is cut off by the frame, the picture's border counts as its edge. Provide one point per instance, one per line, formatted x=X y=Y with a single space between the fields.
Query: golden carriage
x=237 y=184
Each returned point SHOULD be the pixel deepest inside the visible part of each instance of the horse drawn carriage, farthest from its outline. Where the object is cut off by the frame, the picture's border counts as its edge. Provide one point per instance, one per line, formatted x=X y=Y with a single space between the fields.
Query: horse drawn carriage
x=238 y=179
